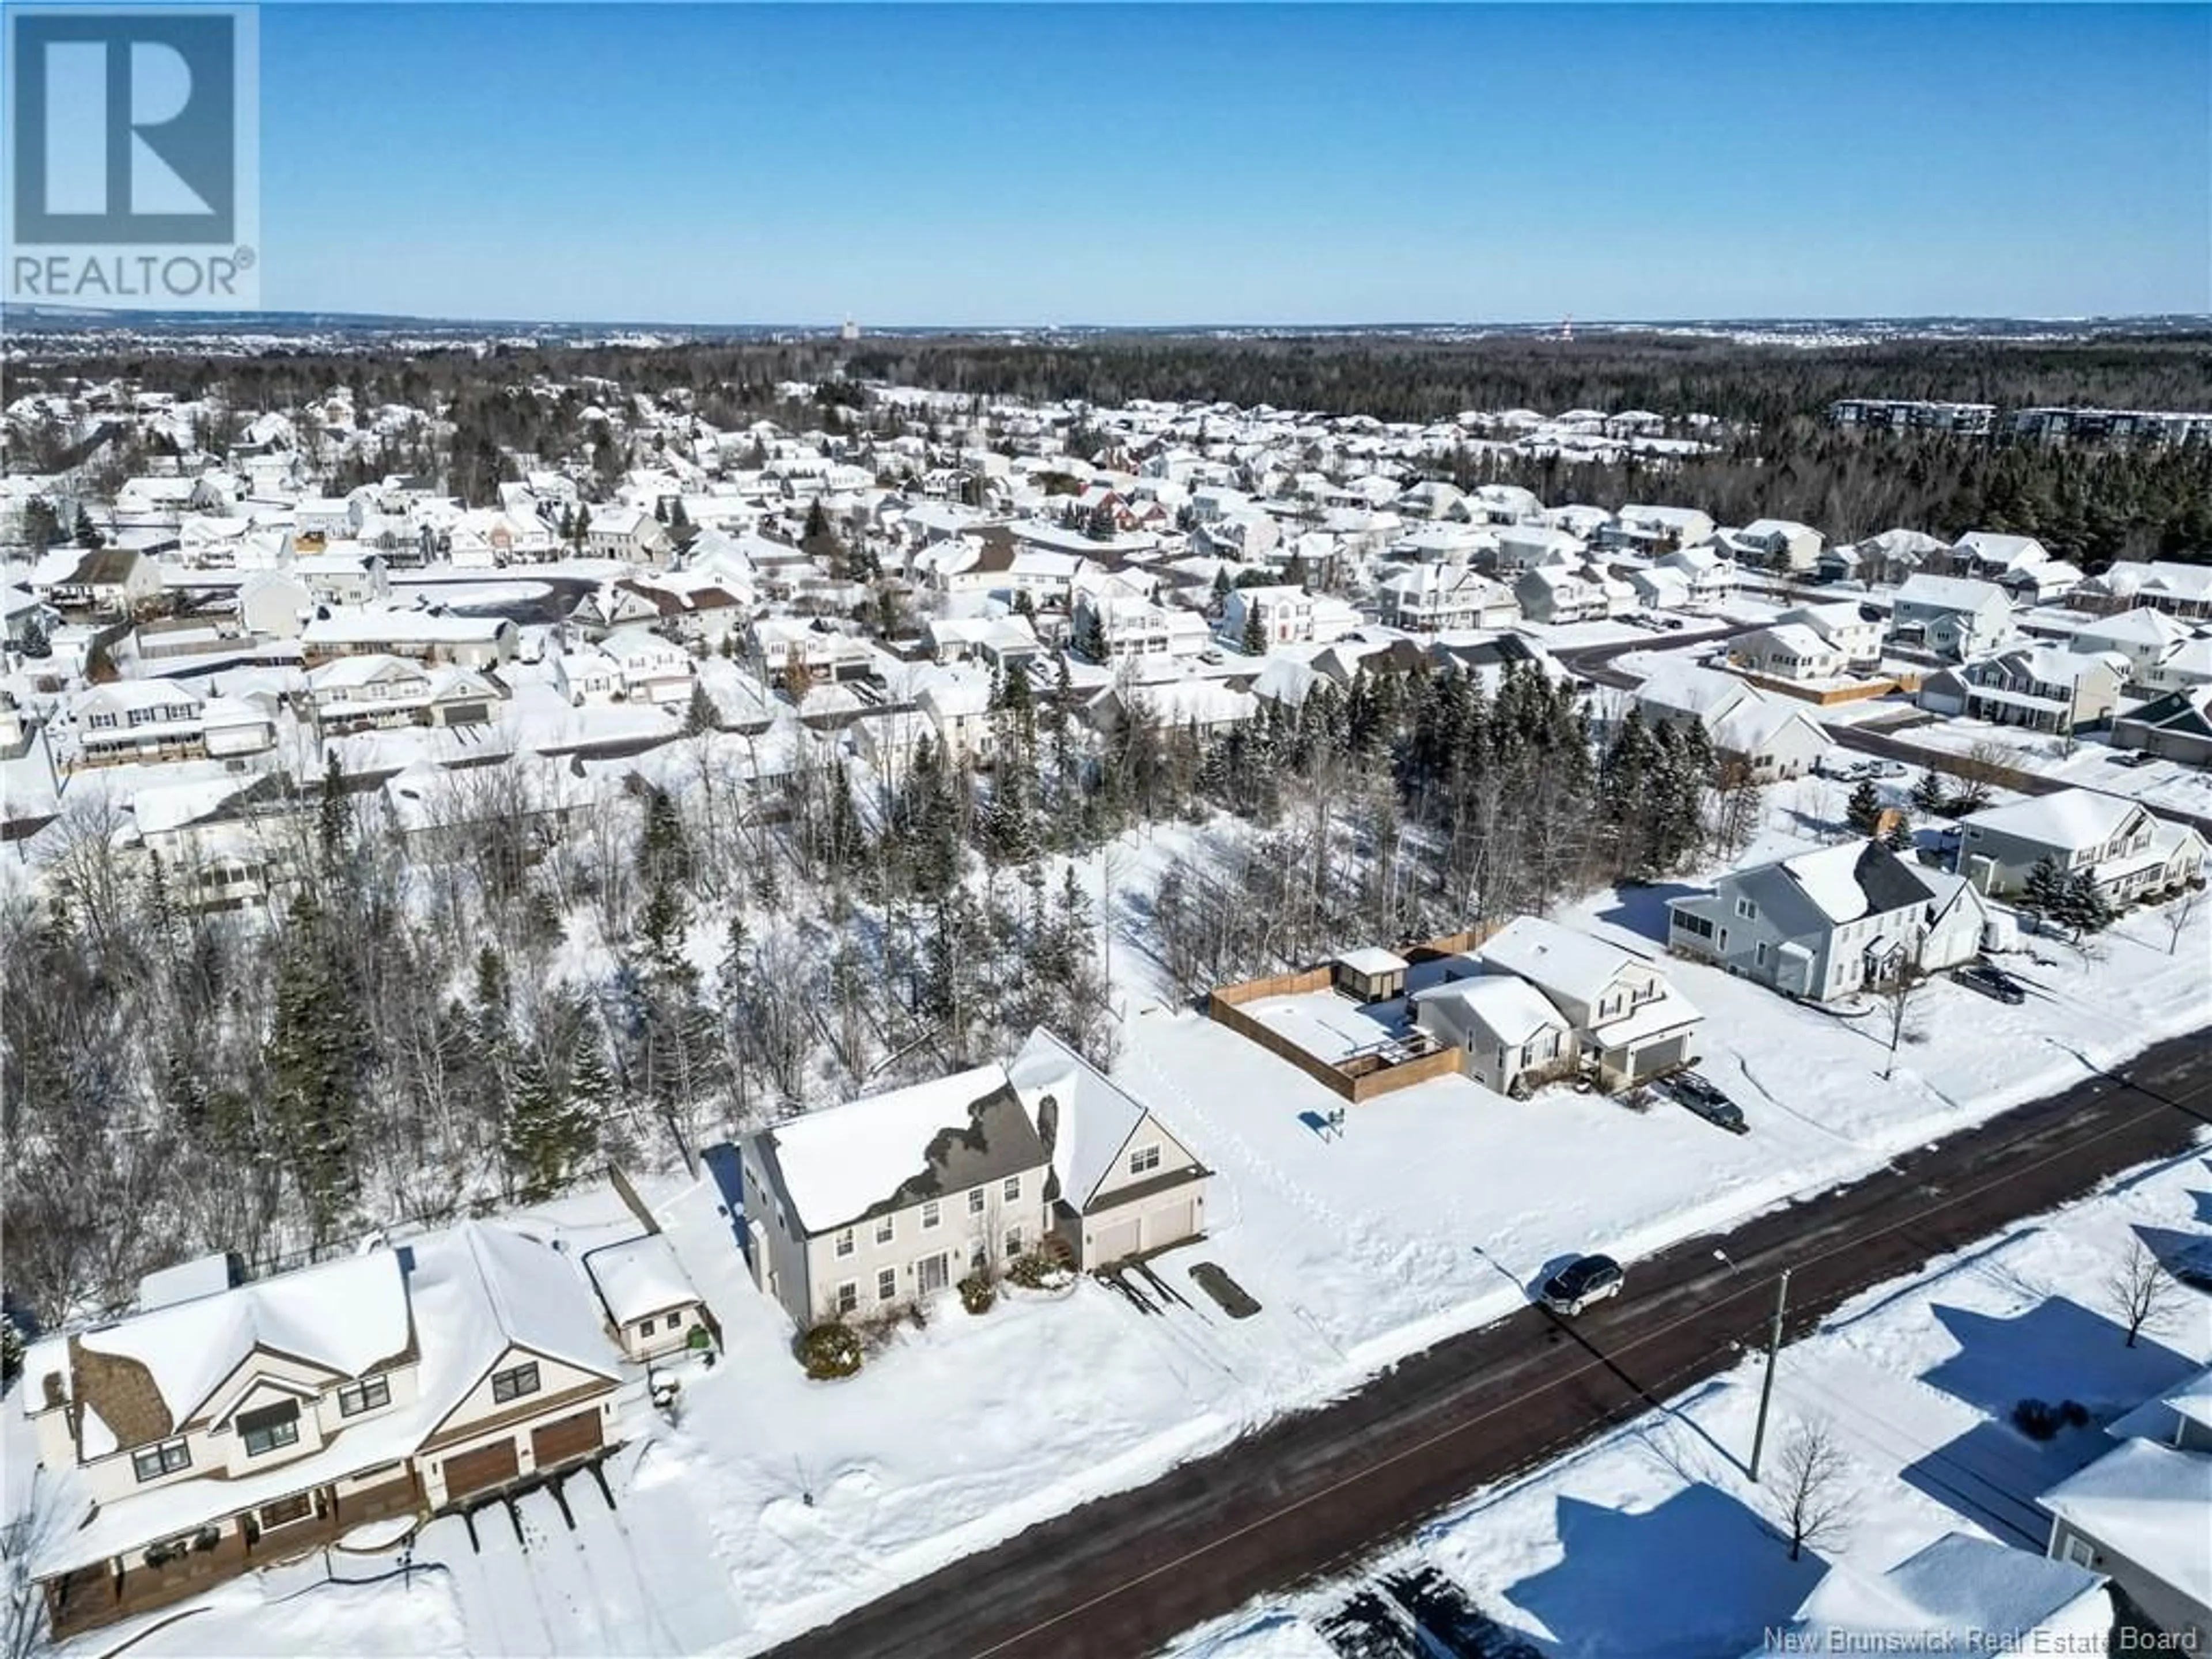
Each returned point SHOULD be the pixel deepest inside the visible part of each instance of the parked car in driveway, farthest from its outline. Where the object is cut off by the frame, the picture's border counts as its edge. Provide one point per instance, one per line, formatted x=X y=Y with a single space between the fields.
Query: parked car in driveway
x=1699 y=1095
x=1991 y=982
x=1586 y=1279
x=1881 y=768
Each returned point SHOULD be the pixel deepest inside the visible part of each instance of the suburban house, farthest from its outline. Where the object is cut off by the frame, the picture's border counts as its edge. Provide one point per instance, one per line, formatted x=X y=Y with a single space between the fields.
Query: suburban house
x=334 y=577
x=274 y=604
x=2189 y=664
x=138 y=720
x=1709 y=573
x=1769 y=737
x=1787 y=651
x=652 y=669
x=1558 y=593
x=1960 y=1594
x=2179 y=590
x=2176 y=727
x=229 y=1431
x=2144 y=637
x=821 y=651
x=1991 y=556
x=106 y=581
x=359 y=693
x=889 y=1199
x=584 y=673
x=2126 y=851
x=1779 y=544
x=2140 y=1515
x=1659 y=529
x=1123 y=1184
x=425 y=636
x=1952 y=617
x=1131 y=625
x=1854 y=630
x=1433 y=599
x=1510 y=1036
x=2040 y=687
x=1530 y=546
x=1288 y=616
x=1821 y=924
x=649 y=1300
x=1625 y=1017
x=629 y=533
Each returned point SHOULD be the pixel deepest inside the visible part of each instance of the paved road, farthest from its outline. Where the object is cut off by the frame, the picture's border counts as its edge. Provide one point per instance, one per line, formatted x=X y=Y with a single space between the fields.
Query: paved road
x=1121 y=1576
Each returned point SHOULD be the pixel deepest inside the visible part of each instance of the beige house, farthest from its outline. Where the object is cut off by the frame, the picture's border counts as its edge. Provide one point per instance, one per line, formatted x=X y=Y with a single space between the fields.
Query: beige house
x=229 y=1431
x=1510 y=1036
x=1123 y=1185
x=1623 y=1013
x=893 y=1198
x=650 y=1304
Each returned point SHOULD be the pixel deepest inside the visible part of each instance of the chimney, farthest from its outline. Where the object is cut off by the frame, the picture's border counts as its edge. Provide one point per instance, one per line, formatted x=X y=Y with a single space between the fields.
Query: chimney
x=1047 y=1122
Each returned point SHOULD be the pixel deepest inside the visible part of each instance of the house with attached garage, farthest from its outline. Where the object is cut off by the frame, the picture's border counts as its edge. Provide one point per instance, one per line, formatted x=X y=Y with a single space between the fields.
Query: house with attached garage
x=1431 y=599
x=1510 y=1036
x=107 y=582
x=1626 y=1019
x=139 y=720
x=892 y=1198
x=2124 y=850
x=1823 y=924
x=1779 y=544
x=2142 y=638
x=1769 y=737
x=1852 y=629
x=233 y=1430
x=2040 y=687
x=1558 y=593
x=1952 y=616
x=1123 y=1184
x=1787 y=651
x=2177 y=726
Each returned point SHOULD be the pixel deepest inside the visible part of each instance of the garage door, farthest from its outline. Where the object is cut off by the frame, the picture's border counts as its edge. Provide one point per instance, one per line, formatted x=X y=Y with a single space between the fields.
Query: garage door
x=1660 y=1056
x=478 y=1470
x=571 y=1437
x=1171 y=1225
x=1113 y=1241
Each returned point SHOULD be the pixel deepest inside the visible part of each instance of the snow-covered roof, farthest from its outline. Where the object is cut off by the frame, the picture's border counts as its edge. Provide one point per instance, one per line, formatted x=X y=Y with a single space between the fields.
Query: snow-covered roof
x=348 y=1316
x=1959 y=1586
x=2150 y=1504
x=1093 y=1116
x=838 y=1164
x=1951 y=594
x=1555 y=957
x=1511 y=1007
x=185 y=1281
x=2071 y=818
x=1372 y=959
x=638 y=1278
x=2142 y=626
x=1855 y=880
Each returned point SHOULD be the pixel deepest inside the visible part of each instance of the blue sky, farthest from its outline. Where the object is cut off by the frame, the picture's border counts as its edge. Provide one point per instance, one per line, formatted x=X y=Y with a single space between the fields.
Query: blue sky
x=1019 y=165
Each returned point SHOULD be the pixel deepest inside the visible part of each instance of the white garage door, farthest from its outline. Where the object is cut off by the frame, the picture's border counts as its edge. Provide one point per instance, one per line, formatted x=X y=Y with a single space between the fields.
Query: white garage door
x=1171 y=1225
x=1113 y=1240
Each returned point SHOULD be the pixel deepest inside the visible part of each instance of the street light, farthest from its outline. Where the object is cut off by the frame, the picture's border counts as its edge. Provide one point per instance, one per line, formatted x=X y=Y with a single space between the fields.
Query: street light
x=1767 y=1387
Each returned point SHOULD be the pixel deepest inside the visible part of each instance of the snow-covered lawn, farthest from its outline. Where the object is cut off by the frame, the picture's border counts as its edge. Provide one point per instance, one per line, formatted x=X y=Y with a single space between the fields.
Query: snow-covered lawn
x=1652 y=1541
x=2160 y=784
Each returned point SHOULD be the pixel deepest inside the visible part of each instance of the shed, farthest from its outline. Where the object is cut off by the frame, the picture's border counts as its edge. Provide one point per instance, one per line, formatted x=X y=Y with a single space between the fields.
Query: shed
x=649 y=1300
x=1371 y=975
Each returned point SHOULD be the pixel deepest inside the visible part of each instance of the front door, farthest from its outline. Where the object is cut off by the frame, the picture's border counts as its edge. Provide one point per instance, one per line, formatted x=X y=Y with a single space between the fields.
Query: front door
x=933 y=1272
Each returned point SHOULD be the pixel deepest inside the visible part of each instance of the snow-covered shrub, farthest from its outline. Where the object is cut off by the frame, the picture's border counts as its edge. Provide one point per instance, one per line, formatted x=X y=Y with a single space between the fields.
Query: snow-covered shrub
x=830 y=1351
x=977 y=1293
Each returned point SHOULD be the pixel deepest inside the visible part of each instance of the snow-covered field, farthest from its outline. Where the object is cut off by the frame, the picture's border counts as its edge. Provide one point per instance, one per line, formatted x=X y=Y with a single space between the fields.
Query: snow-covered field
x=1652 y=1541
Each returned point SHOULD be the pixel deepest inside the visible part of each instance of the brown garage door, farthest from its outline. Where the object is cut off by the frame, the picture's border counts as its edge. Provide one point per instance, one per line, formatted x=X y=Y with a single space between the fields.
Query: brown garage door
x=474 y=1471
x=569 y=1437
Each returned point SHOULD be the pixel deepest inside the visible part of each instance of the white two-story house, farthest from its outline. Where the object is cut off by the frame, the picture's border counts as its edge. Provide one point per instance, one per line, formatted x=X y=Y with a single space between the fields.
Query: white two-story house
x=1625 y=1017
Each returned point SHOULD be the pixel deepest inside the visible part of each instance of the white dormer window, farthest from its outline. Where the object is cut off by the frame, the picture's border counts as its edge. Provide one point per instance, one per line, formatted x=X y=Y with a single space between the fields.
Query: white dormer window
x=365 y=1396
x=166 y=1458
x=1145 y=1159
x=845 y=1243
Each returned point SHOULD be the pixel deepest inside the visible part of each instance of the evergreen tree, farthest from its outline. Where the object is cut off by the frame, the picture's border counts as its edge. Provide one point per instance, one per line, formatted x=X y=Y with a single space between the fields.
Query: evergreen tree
x=42 y=525
x=699 y=713
x=1086 y=638
x=665 y=852
x=2083 y=905
x=1863 y=810
x=37 y=646
x=317 y=1054
x=2045 y=892
x=547 y=1134
x=1253 y=642
x=1928 y=794
x=334 y=813
x=1898 y=837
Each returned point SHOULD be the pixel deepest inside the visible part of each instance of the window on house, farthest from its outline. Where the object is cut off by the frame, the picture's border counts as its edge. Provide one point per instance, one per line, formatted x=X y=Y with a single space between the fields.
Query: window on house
x=886 y=1229
x=845 y=1243
x=848 y=1297
x=1013 y=1241
x=1013 y=1189
x=975 y=1200
x=285 y=1511
x=646 y=1327
x=269 y=1429
x=886 y=1283
x=929 y=1214
x=1689 y=924
x=1144 y=1160
x=365 y=1396
x=1745 y=909
x=514 y=1382
x=167 y=1458
x=2081 y=1552
x=1759 y=954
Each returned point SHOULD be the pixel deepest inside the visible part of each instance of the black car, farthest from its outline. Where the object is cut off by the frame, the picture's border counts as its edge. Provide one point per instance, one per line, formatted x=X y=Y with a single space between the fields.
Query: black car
x=1698 y=1094
x=1581 y=1282
x=1991 y=982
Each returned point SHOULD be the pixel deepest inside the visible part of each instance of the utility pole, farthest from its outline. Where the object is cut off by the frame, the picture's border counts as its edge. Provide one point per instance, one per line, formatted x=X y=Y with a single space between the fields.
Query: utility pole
x=1766 y=1387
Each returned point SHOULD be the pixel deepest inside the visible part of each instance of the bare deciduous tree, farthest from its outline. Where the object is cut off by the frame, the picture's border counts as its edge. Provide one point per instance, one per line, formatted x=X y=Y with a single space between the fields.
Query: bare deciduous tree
x=2141 y=1293
x=1815 y=1504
